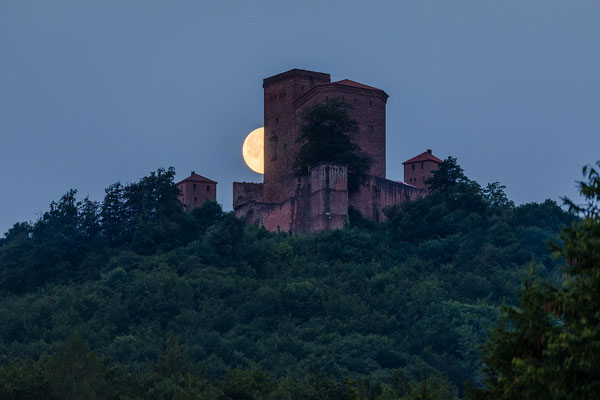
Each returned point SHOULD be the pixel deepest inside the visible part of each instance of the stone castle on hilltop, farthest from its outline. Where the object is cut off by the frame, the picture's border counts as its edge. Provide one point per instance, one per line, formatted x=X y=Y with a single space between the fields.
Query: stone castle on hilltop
x=320 y=200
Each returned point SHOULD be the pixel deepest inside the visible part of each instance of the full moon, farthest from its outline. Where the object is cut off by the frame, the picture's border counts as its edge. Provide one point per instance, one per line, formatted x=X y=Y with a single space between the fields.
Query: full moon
x=254 y=150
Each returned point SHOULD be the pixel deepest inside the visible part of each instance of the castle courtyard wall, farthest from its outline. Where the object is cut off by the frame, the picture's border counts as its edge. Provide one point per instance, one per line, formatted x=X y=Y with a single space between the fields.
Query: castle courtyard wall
x=377 y=193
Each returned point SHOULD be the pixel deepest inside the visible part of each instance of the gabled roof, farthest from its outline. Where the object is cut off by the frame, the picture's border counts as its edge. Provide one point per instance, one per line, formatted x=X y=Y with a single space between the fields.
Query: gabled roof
x=348 y=82
x=425 y=156
x=194 y=177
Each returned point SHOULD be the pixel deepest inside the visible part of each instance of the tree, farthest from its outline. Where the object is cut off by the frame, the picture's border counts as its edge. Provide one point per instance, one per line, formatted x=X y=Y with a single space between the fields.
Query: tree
x=62 y=237
x=575 y=351
x=23 y=381
x=515 y=354
x=436 y=387
x=451 y=184
x=449 y=174
x=421 y=288
x=495 y=197
x=154 y=198
x=113 y=216
x=246 y=384
x=75 y=372
x=325 y=137
x=155 y=212
x=549 y=347
x=173 y=360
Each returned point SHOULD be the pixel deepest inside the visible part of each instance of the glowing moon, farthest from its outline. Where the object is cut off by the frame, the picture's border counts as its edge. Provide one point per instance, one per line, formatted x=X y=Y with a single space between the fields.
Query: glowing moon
x=254 y=150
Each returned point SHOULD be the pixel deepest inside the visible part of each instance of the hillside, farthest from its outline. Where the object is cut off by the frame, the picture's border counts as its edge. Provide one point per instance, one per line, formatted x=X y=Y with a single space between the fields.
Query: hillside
x=200 y=305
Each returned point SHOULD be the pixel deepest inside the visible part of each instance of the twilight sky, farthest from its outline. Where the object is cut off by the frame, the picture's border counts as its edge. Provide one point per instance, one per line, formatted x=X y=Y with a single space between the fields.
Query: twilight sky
x=97 y=91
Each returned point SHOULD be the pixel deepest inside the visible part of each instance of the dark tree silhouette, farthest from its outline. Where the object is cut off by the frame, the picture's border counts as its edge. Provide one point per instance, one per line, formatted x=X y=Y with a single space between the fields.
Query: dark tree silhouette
x=325 y=134
x=548 y=348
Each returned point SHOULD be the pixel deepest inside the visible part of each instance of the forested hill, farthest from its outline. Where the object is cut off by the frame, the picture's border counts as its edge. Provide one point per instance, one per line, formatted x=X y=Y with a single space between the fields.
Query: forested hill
x=193 y=305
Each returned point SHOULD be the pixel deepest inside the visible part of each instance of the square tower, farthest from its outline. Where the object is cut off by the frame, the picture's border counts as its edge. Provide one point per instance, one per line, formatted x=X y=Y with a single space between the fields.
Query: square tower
x=280 y=93
x=195 y=190
x=418 y=169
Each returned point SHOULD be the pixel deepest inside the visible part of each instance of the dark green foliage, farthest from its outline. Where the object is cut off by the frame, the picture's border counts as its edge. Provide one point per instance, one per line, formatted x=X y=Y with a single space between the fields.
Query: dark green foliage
x=76 y=373
x=250 y=384
x=549 y=347
x=325 y=136
x=449 y=175
x=23 y=381
x=435 y=387
x=372 y=311
x=115 y=219
x=69 y=242
x=173 y=360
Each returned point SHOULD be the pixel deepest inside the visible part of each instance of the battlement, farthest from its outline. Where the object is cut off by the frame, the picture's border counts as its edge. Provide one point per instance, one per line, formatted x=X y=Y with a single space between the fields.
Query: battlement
x=302 y=74
x=246 y=192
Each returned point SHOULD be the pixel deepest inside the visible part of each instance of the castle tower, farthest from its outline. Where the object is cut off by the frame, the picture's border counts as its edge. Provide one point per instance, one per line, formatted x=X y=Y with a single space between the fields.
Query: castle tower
x=419 y=168
x=195 y=190
x=280 y=92
x=368 y=109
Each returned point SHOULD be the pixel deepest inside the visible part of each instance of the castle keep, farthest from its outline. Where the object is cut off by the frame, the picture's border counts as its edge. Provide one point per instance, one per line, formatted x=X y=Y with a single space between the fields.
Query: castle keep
x=320 y=200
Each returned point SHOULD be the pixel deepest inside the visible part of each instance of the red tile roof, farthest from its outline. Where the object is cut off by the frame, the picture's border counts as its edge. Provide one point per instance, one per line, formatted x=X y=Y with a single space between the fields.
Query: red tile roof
x=348 y=82
x=425 y=156
x=194 y=177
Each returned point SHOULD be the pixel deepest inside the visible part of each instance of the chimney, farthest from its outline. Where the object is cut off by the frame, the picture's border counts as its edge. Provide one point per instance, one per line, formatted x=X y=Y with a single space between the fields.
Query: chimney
x=193 y=172
x=428 y=151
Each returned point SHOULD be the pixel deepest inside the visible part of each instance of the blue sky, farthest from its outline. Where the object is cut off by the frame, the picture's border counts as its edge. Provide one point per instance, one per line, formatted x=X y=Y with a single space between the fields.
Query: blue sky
x=93 y=92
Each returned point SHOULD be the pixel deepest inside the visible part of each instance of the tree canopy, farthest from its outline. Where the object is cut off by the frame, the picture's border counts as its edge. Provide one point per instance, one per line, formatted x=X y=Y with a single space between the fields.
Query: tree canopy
x=549 y=346
x=138 y=298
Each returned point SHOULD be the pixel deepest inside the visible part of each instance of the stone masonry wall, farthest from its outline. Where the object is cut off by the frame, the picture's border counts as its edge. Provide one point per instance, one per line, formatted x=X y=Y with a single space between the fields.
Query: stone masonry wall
x=245 y=192
x=320 y=202
x=274 y=217
x=323 y=199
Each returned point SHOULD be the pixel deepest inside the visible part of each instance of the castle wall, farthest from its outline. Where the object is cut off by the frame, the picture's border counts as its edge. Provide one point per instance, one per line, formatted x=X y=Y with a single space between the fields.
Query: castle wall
x=376 y=194
x=323 y=203
x=245 y=192
x=274 y=217
x=248 y=203
x=320 y=202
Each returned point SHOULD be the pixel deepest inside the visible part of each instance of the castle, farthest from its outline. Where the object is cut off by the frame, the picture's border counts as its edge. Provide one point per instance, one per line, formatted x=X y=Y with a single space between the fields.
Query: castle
x=320 y=200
